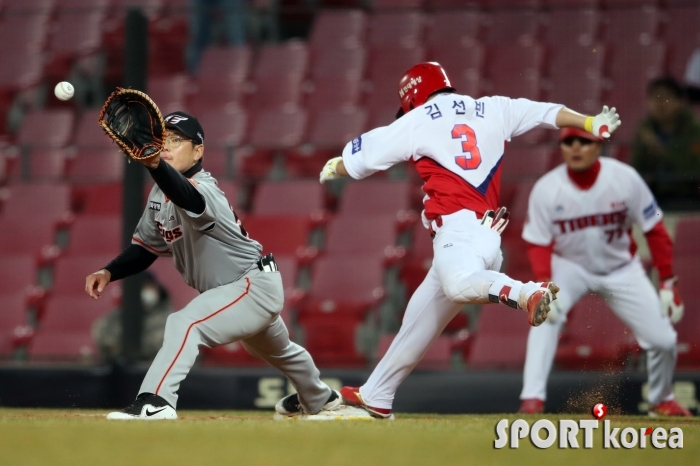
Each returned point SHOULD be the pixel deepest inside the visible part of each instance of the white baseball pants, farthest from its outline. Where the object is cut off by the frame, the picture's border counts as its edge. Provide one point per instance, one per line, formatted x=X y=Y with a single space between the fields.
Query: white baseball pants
x=246 y=310
x=467 y=257
x=630 y=294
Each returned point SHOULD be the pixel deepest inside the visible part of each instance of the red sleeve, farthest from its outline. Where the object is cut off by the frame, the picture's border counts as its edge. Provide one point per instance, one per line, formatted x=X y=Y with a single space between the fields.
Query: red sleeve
x=661 y=249
x=540 y=261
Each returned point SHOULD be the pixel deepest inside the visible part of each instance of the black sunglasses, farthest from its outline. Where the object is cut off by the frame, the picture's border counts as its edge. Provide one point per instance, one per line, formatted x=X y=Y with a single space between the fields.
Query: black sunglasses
x=570 y=141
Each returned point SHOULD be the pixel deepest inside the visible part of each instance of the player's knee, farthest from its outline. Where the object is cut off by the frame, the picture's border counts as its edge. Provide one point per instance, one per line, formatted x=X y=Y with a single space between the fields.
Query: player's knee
x=664 y=341
x=456 y=288
x=176 y=324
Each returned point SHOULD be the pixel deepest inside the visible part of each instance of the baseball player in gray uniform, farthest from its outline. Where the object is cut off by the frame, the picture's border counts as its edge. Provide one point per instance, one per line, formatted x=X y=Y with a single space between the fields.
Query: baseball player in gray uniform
x=189 y=219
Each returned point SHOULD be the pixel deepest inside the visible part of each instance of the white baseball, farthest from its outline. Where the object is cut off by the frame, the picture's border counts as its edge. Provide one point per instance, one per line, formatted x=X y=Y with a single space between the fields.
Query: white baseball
x=64 y=90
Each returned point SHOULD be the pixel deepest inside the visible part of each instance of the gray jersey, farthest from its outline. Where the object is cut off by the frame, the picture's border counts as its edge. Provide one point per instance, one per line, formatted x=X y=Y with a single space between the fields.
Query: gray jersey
x=210 y=249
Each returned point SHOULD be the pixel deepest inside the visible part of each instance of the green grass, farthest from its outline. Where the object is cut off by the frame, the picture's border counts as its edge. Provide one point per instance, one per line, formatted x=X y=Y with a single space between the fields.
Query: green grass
x=80 y=437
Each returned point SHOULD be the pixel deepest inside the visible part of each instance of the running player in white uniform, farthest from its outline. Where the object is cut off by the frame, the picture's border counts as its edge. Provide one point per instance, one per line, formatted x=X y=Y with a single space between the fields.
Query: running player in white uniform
x=456 y=143
x=189 y=219
x=579 y=219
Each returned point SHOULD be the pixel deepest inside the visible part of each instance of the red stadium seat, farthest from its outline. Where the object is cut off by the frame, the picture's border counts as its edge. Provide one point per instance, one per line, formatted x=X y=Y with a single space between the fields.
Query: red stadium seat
x=17 y=273
x=300 y=197
x=438 y=356
x=516 y=70
x=64 y=331
x=453 y=29
x=387 y=66
x=520 y=164
x=89 y=134
x=284 y=60
x=335 y=128
x=47 y=129
x=98 y=199
x=396 y=30
x=281 y=128
x=633 y=66
x=96 y=165
x=50 y=201
x=69 y=42
x=686 y=265
x=230 y=190
x=48 y=164
x=572 y=28
x=501 y=339
x=347 y=63
x=180 y=293
x=224 y=126
x=169 y=92
x=576 y=74
x=266 y=230
x=633 y=26
x=70 y=271
x=349 y=285
x=380 y=5
x=682 y=37
x=22 y=33
x=222 y=75
x=13 y=315
x=26 y=235
x=331 y=340
x=685 y=241
x=515 y=262
x=464 y=65
x=512 y=27
x=232 y=354
x=352 y=235
x=336 y=29
x=95 y=235
x=375 y=197
x=418 y=260
x=595 y=339
x=688 y=337
x=334 y=94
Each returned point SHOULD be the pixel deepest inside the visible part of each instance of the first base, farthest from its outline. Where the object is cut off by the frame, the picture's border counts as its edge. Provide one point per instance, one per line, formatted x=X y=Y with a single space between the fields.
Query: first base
x=344 y=413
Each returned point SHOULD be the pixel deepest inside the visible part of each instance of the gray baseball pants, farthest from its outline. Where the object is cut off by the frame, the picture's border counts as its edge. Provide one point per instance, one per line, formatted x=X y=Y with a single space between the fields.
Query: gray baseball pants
x=246 y=310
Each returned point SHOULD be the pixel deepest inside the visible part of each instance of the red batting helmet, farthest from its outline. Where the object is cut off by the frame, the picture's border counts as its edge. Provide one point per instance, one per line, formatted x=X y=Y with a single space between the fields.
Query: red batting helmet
x=420 y=82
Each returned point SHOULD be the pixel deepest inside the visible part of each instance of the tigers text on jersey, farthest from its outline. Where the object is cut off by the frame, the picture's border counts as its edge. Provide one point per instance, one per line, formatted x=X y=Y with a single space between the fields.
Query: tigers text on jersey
x=456 y=143
x=591 y=227
x=210 y=249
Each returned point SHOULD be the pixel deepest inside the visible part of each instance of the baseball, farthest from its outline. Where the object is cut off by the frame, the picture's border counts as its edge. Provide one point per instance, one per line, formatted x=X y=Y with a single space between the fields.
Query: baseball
x=64 y=90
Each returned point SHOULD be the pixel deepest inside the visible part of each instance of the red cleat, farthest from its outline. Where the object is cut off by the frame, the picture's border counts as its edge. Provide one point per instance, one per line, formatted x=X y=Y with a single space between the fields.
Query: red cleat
x=537 y=304
x=351 y=396
x=531 y=406
x=669 y=408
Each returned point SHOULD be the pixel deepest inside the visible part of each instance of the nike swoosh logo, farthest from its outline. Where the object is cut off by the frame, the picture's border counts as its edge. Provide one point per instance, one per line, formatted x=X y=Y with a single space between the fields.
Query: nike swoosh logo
x=151 y=413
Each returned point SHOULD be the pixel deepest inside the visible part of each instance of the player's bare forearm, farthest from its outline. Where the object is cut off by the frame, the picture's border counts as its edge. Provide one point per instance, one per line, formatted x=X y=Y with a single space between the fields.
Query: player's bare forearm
x=601 y=125
x=567 y=118
x=340 y=169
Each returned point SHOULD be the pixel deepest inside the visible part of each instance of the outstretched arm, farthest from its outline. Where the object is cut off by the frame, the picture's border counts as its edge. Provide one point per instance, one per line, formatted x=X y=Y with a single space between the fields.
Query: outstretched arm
x=601 y=125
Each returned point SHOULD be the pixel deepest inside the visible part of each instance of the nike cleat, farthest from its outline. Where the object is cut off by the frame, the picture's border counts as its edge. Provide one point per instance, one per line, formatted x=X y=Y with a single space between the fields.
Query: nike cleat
x=290 y=406
x=669 y=408
x=537 y=302
x=146 y=407
x=351 y=396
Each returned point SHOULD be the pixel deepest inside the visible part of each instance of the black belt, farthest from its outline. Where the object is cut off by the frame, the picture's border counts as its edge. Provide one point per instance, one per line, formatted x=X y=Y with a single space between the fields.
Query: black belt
x=267 y=264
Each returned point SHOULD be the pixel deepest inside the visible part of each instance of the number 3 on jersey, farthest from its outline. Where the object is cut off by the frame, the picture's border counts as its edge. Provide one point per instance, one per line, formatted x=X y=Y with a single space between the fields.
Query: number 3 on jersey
x=472 y=160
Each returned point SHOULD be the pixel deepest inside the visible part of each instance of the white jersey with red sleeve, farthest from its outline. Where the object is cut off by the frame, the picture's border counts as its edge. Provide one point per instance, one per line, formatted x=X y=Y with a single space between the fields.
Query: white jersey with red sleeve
x=591 y=227
x=456 y=143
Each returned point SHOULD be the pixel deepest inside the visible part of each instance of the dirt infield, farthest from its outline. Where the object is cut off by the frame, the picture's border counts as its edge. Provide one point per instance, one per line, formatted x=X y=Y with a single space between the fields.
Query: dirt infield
x=80 y=437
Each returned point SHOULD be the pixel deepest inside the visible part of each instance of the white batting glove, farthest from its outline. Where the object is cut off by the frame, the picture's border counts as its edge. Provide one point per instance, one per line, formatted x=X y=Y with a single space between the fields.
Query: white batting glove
x=603 y=124
x=671 y=302
x=329 y=171
x=497 y=221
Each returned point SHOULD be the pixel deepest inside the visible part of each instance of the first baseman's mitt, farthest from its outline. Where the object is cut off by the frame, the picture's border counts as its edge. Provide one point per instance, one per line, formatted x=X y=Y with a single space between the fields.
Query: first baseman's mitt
x=135 y=123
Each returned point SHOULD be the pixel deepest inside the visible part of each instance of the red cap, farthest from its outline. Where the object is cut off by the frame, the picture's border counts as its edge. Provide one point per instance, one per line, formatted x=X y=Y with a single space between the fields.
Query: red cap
x=568 y=132
x=420 y=82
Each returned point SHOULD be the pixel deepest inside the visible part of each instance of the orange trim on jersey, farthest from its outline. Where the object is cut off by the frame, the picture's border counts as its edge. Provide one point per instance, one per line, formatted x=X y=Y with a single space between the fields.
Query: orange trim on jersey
x=167 y=251
x=194 y=183
x=247 y=288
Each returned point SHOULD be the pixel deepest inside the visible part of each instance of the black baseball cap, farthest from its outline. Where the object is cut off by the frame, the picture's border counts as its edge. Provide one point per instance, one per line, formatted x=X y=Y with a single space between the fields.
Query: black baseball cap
x=186 y=124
